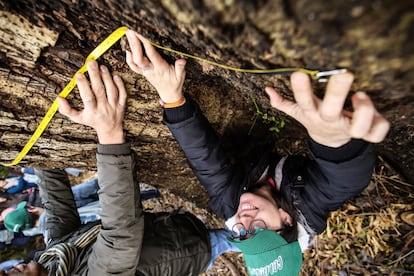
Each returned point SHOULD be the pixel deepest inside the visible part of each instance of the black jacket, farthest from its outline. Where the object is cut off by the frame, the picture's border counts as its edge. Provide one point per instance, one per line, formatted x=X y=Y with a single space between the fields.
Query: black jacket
x=316 y=185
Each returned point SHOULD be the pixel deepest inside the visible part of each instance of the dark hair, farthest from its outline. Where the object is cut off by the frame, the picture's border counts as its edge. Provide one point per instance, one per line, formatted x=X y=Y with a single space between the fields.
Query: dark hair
x=32 y=219
x=259 y=158
x=289 y=232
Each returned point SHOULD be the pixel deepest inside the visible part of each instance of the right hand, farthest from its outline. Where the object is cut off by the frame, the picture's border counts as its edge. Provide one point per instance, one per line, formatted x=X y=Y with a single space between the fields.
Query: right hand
x=104 y=101
x=325 y=119
x=167 y=79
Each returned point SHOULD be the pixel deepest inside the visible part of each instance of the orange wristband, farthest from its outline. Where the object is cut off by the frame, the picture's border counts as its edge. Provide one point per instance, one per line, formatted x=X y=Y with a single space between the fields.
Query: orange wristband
x=178 y=103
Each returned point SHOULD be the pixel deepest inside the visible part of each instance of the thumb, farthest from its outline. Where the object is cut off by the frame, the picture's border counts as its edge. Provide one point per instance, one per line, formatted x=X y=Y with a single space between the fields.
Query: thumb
x=180 y=68
x=67 y=110
x=280 y=103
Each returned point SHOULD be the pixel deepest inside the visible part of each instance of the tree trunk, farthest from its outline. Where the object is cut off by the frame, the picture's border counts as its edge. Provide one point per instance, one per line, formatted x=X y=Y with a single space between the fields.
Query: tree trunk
x=43 y=43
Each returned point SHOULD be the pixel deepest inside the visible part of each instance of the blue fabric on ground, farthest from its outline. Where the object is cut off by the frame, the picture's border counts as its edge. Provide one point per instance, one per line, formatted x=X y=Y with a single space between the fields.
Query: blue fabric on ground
x=74 y=171
x=220 y=244
x=86 y=192
x=9 y=264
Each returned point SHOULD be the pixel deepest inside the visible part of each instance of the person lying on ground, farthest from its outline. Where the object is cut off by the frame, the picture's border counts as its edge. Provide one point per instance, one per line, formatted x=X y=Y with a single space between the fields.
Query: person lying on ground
x=29 y=217
x=126 y=241
x=84 y=193
x=9 y=200
x=279 y=204
x=14 y=184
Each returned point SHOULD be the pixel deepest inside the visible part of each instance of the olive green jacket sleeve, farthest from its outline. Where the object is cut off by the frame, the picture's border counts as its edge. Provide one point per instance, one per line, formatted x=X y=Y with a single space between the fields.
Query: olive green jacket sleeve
x=118 y=246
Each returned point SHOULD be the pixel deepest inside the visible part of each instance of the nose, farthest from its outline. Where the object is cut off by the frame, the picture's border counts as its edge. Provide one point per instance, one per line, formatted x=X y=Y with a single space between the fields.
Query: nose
x=246 y=220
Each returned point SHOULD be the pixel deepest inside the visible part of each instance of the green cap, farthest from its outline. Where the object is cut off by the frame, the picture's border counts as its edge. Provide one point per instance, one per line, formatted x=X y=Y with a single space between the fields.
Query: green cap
x=268 y=253
x=18 y=219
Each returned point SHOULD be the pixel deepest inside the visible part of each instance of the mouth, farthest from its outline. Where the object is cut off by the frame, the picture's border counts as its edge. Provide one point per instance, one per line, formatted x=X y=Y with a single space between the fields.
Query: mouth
x=246 y=208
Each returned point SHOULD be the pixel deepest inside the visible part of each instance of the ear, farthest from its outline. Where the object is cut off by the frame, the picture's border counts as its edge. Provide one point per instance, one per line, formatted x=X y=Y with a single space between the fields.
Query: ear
x=286 y=218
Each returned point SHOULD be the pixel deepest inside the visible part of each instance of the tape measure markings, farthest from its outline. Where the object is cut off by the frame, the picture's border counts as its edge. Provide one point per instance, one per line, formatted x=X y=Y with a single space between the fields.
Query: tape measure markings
x=101 y=49
x=95 y=54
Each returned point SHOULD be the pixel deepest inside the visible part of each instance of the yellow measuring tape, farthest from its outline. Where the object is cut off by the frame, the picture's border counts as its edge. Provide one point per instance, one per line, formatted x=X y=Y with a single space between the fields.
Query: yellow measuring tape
x=95 y=54
x=101 y=49
x=312 y=73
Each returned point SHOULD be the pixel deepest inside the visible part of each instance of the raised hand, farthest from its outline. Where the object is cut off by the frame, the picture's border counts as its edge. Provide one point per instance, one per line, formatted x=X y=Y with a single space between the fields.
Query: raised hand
x=104 y=104
x=167 y=79
x=325 y=120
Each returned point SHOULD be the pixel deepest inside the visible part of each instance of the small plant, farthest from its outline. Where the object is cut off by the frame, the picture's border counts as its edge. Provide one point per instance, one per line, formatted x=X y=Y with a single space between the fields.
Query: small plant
x=276 y=124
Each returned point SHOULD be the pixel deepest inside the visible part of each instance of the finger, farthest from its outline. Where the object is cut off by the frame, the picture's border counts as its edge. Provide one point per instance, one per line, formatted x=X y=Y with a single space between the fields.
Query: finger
x=97 y=85
x=180 y=69
x=110 y=87
x=280 y=103
x=122 y=93
x=85 y=92
x=363 y=115
x=367 y=123
x=337 y=89
x=137 y=53
x=67 y=110
x=152 y=53
x=379 y=130
x=131 y=63
x=302 y=91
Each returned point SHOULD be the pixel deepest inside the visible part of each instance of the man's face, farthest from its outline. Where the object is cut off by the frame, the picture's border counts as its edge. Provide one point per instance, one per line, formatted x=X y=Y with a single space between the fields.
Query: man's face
x=31 y=269
x=260 y=205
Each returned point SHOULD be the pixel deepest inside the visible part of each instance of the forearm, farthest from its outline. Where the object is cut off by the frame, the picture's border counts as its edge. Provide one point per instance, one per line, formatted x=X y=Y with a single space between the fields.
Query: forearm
x=61 y=214
x=340 y=154
x=347 y=169
x=118 y=246
x=206 y=156
x=180 y=113
x=119 y=192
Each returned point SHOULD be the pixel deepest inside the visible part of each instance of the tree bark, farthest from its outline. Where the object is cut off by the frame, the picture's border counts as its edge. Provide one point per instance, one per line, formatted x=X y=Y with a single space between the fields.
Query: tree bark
x=43 y=43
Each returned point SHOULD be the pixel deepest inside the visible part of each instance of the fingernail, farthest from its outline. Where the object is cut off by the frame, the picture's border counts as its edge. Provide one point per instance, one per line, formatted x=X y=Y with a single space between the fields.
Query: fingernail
x=117 y=78
x=78 y=76
x=361 y=95
x=343 y=78
x=104 y=69
x=92 y=64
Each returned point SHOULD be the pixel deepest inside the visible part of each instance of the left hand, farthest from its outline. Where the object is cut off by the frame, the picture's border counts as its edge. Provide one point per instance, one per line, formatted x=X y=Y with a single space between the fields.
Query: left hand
x=325 y=120
x=104 y=104
x=167 y=79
